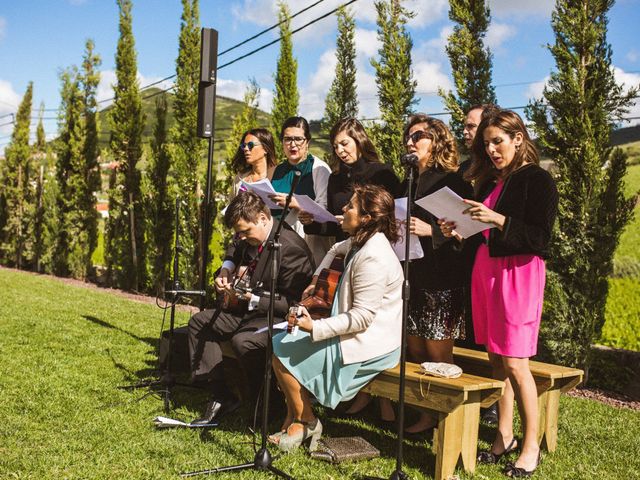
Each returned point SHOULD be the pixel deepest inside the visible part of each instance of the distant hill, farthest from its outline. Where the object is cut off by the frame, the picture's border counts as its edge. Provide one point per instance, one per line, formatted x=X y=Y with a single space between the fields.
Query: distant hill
x=622 y=136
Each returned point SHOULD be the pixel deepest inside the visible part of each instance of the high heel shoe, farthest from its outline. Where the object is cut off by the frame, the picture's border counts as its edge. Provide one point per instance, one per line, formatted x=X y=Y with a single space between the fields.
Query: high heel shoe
x=510 y=470
x=274 y=438
x=492 y=458
x=311 y=431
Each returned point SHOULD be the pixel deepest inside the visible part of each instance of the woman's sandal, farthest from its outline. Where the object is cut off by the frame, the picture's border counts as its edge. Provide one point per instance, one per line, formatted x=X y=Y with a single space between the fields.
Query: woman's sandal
x=510 y=470
x=492 y=458
x=310 y=432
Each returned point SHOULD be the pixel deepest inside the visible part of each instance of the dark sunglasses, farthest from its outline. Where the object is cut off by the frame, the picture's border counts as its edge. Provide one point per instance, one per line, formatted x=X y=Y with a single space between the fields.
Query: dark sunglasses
x=249 y=145
x=417 y=136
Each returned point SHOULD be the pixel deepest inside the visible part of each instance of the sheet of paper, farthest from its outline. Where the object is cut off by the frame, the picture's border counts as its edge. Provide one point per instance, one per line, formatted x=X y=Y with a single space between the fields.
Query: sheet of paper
x=165 y=422
x=263 y=188
x=445 y=203
x=415 y=248
x=276 y=326
x=319 y=213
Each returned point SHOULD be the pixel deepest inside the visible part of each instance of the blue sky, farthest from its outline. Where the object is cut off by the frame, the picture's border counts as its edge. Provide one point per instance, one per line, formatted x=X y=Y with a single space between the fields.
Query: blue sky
x=38 y=38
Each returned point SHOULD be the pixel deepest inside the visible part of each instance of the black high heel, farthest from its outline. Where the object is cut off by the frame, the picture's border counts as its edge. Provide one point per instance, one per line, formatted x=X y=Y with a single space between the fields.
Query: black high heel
x=510 y=470
x=492 y=458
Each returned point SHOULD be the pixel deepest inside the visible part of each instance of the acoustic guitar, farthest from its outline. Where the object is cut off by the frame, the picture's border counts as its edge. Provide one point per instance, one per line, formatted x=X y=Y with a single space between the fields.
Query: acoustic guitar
x=234 y=301
x=319 y=303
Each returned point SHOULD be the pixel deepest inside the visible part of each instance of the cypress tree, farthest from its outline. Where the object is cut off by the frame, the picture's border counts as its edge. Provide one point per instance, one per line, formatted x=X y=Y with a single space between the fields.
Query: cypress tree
x=394 y=77
x=286 y=97
x=125 y=248
x=580 y=105
x=41 y=154
x=342 y=98
x=160 y=216
x=186 y=149
x=470 y=60
x=41 y=139
x=16 y=236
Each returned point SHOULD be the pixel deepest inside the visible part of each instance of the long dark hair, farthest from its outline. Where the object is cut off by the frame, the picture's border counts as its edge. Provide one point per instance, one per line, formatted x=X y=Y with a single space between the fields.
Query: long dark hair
x=239 y=164
x=482 y=168
x=376 y=202
x=355 y=130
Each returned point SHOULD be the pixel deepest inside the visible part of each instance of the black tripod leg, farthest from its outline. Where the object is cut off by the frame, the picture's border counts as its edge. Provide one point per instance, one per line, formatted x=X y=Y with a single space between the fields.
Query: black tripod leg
x=278 y=472
x=244 y=466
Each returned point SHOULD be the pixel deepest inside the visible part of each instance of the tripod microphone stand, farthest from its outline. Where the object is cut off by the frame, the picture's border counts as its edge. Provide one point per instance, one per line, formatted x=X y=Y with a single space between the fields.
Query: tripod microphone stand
x=263 y=459
x=410 y=162
x=167 y=379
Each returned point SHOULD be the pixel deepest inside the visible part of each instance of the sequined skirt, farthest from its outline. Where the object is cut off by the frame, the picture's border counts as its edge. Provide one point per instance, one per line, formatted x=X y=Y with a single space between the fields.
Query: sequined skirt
x=437 y=314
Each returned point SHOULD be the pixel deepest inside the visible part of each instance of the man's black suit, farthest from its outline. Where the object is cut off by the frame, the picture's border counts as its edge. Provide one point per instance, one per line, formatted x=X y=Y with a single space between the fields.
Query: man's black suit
x=210 y=327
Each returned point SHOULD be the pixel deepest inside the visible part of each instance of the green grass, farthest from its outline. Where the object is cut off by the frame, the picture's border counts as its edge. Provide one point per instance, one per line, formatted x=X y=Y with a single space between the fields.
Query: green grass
x=622 y=316
x=65 y=349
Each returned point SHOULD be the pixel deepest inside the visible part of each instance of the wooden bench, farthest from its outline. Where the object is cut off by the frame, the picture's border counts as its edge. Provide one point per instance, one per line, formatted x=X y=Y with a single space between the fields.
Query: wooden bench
x=551 y=381
x=457 y=403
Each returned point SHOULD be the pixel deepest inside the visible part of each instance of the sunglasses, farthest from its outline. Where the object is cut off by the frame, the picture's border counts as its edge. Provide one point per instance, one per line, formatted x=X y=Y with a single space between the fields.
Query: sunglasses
x=294 y=140
x=417 y=136
x=249 y=145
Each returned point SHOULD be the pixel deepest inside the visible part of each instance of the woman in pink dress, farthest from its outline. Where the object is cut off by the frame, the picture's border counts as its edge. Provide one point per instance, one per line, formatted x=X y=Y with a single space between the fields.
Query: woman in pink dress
x=518 y=200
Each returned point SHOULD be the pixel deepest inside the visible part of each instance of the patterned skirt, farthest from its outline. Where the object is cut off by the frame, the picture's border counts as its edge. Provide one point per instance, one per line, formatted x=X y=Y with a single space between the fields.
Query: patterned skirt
x=437 y=315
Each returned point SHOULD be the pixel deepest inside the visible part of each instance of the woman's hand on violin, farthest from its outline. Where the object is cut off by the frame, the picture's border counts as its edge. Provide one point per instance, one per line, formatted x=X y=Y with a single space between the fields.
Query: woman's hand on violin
x=420 y=228
x=482 y=213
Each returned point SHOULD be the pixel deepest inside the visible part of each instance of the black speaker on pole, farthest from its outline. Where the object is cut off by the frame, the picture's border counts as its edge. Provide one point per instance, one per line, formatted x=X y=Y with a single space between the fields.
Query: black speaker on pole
x=206 y=109
x=208 y=55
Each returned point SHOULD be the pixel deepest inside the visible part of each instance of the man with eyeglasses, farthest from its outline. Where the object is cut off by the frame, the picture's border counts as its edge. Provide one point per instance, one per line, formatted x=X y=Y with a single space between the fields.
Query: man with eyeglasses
x=295 y=136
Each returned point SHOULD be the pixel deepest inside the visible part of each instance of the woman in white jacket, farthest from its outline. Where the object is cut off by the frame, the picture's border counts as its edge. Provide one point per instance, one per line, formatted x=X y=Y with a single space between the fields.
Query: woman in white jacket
x=333 y=358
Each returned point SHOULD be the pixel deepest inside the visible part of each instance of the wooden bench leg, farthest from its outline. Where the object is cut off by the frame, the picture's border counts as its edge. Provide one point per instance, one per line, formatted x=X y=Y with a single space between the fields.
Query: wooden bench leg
x=470 y=435
x=551 y=417
x=542 y=416
x=448 y=443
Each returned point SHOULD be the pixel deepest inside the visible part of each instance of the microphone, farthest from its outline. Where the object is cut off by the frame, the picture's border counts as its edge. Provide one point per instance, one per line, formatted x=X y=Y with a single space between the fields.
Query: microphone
x=409 y=160
x=294 y=183
x=201 y=293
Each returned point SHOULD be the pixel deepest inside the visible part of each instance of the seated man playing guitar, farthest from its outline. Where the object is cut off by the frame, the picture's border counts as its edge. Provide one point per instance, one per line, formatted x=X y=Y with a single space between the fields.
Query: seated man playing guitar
x=254 y=227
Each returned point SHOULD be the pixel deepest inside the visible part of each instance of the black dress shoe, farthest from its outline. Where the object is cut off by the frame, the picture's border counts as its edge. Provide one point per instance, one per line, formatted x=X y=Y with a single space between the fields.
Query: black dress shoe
x=216 y=409
x=490 y=415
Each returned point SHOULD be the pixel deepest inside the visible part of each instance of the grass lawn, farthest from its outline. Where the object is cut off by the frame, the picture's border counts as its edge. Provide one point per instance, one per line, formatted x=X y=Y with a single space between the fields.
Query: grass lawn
x=64 y=350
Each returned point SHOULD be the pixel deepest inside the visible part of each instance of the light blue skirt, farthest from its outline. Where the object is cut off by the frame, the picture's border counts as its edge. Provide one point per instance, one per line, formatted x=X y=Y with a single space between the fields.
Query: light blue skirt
x=319 y=368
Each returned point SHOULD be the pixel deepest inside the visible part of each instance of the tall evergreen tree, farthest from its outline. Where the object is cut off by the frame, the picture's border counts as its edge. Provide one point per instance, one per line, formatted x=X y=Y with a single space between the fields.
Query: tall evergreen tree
x=581 y=104
x=342 y=98
x=16 y=235
x=39 y=219
x=125 y=249
x=286 y=98
x=160 y=216
x=186 y=149
x=41 y=138
x=394 y=77
x=89 y=171
x=470 y=59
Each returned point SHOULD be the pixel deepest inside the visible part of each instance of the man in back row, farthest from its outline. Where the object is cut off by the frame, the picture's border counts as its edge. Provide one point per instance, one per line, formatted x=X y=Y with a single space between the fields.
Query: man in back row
x=253 y=225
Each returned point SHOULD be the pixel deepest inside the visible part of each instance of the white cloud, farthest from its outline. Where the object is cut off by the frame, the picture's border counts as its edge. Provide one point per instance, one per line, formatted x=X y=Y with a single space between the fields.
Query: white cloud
x=3 y=27
x=497 y=34
x=9 y=101
x=236 y=89
x=433 y=11
x=534 y=90
x=521 y=8
x=629 y=80
x=108 y=80
x=430 y=78
x=367 y=43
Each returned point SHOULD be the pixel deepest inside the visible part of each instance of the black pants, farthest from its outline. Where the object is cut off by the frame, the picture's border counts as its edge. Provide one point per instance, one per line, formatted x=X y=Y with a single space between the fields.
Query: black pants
x=207 y=329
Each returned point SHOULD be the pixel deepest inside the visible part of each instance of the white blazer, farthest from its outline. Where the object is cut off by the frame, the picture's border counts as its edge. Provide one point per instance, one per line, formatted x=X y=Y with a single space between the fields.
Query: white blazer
x=369 y=321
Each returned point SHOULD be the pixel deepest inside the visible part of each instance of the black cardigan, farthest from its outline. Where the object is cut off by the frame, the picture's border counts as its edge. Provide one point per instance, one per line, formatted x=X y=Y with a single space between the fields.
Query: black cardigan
x=529 y=201
x=340 y=190
x=445 y=266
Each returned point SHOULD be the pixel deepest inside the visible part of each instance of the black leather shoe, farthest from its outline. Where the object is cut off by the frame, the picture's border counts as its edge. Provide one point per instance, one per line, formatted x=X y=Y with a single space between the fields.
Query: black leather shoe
x=490 y=415
x=216 y=409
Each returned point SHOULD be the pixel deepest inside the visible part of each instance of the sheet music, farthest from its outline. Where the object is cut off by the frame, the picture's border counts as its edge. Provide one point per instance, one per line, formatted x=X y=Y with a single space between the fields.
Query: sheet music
x=263 y=189
x=445 y=203
x=319 y=213
x=415 y=248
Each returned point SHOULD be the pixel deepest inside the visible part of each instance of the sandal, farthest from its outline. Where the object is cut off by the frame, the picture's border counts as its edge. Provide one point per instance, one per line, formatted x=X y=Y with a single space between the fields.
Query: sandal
x=492 y=458
x=310 y=431
x=510 y=470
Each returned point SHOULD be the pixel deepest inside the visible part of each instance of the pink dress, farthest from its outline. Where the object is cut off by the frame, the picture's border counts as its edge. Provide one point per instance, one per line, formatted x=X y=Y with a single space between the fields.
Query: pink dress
x=506 y=298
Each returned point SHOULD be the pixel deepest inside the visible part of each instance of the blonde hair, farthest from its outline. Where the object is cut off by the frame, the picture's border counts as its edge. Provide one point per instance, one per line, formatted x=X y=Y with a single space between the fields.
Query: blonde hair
x=444 y=152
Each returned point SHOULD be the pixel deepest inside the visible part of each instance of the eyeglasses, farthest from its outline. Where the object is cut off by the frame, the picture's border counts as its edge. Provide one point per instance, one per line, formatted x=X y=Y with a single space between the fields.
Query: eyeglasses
x=417 y=136
x=249 y=145
x=294 y=140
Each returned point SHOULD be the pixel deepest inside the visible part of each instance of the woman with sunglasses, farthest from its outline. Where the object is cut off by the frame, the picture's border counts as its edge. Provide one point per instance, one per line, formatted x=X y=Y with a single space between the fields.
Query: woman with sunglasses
x=255 y=159
x=436 y=310
x=295 y=136
x=355 y=161
x=518 y=200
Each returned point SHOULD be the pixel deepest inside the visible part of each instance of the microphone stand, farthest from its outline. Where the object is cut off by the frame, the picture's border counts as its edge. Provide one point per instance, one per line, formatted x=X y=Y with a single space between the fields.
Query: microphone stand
x=167 y=380
x=409 y=161
x=263 y=459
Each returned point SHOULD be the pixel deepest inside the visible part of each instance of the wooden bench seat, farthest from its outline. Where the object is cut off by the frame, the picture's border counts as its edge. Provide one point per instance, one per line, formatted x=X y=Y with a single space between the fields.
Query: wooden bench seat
x=551 y=380
x=457 y=403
